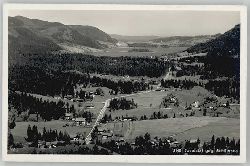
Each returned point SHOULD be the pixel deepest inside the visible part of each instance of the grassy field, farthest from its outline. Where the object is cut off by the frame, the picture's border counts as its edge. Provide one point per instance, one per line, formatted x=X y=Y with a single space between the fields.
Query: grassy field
x=20 y=131
x=184 y=128
x=227 y=127
x=119 y=128
x=147 y=104
x=189 y=96
x=150 y=102
x=123 y=51
x=144 y=100
x=98 y=102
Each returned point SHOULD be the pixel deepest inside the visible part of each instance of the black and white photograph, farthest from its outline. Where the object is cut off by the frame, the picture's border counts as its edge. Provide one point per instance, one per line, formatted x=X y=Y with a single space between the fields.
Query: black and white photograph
x=124 y=83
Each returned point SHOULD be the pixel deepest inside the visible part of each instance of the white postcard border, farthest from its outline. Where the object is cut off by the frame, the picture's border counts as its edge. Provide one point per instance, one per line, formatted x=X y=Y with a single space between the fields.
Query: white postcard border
x=127 y=158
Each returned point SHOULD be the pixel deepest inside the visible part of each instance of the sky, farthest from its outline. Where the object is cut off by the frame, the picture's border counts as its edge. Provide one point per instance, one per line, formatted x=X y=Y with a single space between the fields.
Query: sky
x=142 y=23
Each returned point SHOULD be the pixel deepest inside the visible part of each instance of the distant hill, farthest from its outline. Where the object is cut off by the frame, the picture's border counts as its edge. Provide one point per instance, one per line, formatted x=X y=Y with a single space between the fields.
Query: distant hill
x=124 y=38
x=36 y=36
x=23 y=39
x=93 y=33
x=228 y=43
x=185 y=41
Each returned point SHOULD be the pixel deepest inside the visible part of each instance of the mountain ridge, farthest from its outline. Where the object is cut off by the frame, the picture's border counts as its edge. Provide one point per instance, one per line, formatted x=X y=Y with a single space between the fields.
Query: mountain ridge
x=227 y=42
x=34 y=35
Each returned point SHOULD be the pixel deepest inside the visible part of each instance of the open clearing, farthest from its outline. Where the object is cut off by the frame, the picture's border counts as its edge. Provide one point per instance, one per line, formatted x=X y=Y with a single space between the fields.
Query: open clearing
x=123 y=51
x=153 y=97
x=150 y=102
x=20 y=131
x=98 y=102
x=183 y=128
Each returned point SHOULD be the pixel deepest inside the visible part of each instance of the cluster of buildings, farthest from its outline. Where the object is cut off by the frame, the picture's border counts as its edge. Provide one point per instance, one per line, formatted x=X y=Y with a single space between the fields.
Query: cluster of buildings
x=80 y=121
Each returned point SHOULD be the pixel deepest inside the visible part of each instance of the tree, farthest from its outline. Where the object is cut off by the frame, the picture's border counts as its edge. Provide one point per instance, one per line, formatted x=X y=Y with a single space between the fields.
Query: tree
x=147 y=137
x=44 y=134
x=99 y=91
x=94 y=135
x=223 y=143
x=204 y=112
x=218 y=143
x=10 y=140
x=29 y=134
x=11 y=121
x=66 y=137
x=35 y=136
x=212 y=142
x=95 y=149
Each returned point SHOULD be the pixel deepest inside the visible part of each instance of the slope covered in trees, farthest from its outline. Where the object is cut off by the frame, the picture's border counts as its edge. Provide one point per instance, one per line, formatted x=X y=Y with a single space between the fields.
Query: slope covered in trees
x=228 y=42
x=184 y=41
x=223 y=54
x=33 y=36
x=50 y=82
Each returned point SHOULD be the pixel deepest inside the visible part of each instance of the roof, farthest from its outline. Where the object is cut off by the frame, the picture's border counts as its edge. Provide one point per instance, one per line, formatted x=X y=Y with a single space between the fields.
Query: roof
x=68 y=114
x=193 y=141
x=33 y=115
x=128 y=117
x=80 y=119
x=177 y=68
x=107 y=134
x=89 y=104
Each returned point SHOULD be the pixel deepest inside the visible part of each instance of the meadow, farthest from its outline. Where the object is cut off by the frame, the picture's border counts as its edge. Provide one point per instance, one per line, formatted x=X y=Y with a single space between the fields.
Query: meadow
x=183 y=129
x=20 y=131
x=124 y=51
x=150 y=102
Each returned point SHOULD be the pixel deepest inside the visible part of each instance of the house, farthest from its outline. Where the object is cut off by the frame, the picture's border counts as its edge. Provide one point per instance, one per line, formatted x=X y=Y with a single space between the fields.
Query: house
x=78 y=137
x=34 y=117
x=175 y=144
x=80 y=121
x=100 y=131
x=89 y=105
x=57 y=97
x=192 y=141
x=107 y=135
x=195 y=143
x=79 y=100
x=173 y=99
x=51 y=144
x=128 y=118
x=92 y=94
x=41 y=144
x=68 y=116
x=195 y=104
x=178 y=68
x=69 y=97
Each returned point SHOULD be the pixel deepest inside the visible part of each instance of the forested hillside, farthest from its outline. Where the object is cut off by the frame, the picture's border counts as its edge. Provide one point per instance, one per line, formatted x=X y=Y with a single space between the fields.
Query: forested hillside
x=35 y=36
x=223 y=54
x=228 y=43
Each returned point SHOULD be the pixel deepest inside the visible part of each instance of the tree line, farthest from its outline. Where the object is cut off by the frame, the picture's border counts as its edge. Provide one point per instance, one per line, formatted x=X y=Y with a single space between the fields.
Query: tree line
x=119 y=66
x=47 y=135
x=122 y=103
x=47 y=110
x=62 y=83
x=229 y=87
x=183 y=84
x=145 y=145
